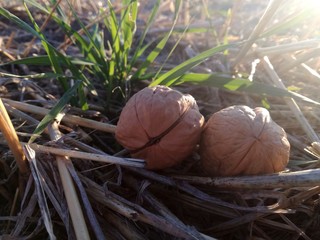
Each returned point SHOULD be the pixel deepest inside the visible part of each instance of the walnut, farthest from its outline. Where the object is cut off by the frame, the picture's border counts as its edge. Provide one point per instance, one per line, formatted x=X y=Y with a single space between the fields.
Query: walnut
x=160 y=125
x=239 y=140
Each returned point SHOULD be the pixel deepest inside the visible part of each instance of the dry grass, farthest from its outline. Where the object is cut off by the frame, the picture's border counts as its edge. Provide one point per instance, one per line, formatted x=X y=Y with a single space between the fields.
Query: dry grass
x=68 y=195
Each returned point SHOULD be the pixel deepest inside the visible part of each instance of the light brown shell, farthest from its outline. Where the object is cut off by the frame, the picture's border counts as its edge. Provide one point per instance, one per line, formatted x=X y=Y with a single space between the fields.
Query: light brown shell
x=239 y=140
x=160 y=125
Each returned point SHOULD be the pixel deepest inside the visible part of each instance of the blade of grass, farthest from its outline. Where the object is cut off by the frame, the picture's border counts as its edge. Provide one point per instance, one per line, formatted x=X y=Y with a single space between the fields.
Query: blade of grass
x=139 y=49
x=128 y=27
x=30 y=44
x=160 y=46
x=223 y=81
x=112 y=24
x=171 y=51
x=54 y=111
x=91 y=49
x=45 y=61
x=33 y=76
x=171 y=76
x=60 y=12
x=49 y=49
x=19 y=22
x=65 y=61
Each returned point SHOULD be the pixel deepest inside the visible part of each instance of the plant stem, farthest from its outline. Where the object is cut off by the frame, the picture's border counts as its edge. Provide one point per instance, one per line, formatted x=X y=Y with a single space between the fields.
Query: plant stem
x=275 y=79
x=74 y=206
x=304 y=178
x=72 y=119
x=131 y=162
x=11 y=137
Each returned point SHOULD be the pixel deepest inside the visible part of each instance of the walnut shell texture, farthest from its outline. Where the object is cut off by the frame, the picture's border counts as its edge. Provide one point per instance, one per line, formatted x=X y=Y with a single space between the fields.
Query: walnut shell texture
x=160 y=125
x=239 y=140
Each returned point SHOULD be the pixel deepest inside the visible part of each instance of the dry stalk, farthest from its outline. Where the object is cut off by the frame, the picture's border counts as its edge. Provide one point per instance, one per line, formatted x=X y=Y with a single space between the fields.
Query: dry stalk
x=24 y=216
x=264 y=20
x=71 y=119
x=74 y=206
x=299 y=60
x=294 y=227
x=304 y=178
x=313 y=137
x=39 y=189
x=131 y=210
x=11 y=137
x=132 y=162
x=287 y=48
x=193 y=191
x=164 y=211
x=126 y=228
x=236 y=222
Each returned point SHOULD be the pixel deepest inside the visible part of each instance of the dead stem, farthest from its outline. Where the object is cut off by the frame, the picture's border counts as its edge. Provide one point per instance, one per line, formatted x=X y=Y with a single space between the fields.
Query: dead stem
x=164 y=211
x=10 y=135
x=275 y=79
x=74 y=206
x=131 y=210
x=269 y=12
x=132 y=162
x=72 y=119
x=305 y=178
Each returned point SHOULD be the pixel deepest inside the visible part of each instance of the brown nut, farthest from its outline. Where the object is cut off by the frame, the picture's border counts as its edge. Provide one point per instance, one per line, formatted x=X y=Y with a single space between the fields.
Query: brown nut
x=239 y=140
x=160 y=125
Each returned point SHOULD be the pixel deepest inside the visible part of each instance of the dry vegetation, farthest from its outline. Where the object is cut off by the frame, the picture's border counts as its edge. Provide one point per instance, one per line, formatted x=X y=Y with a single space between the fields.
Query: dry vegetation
x=71 y=187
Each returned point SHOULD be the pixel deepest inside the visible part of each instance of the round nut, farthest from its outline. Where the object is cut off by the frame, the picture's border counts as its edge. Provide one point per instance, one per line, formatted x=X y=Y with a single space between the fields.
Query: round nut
x=239 y=140
x=160 y=125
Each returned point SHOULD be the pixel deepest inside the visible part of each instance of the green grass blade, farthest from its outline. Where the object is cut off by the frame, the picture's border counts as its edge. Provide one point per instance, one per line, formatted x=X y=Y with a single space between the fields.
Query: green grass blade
x=223 y=81
x=45 y=61
x=171 y=51
x=60 y=12
x=37 y=60
x=128 y=27
x=50 y=51
x=140 y=49
x=91 y=49
x=23 y=25
x=58 y=60
x=65 y=99
x=154 y=54
x=172 y=76
x=88 y=48
x=112 y=25
x=33 y=76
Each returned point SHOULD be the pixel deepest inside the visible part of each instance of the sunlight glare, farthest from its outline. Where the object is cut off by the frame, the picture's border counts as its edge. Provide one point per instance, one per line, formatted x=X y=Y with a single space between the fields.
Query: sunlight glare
x=315 y=4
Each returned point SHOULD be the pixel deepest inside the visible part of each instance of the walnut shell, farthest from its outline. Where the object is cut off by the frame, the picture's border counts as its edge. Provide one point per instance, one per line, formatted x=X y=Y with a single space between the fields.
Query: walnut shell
x=239 y=140
x=160 y=125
